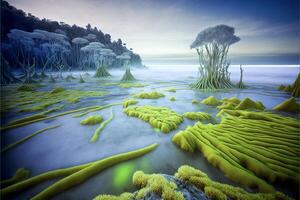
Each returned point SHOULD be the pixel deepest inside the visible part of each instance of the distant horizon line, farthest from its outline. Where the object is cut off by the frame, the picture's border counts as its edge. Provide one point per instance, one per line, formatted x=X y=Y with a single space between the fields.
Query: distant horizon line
x=235 y=65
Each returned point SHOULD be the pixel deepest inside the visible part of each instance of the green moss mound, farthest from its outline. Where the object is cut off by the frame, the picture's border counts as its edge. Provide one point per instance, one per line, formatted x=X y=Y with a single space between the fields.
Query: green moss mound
x=171 y=90
x=149 y=95
x=101 y=72
x=237 y=104
x=294 y=89
x=251 y=148
x=159 y=117
x=71 y=176
x=20 y=175
x=129 y=85
x=172 y=99
x=128 y=76
x=92 y=120
x=195 y=102
x=289 y=105
x=129 y=102
x=211 y=101
x=197 y=115
x=247 y=103
x=216 y=190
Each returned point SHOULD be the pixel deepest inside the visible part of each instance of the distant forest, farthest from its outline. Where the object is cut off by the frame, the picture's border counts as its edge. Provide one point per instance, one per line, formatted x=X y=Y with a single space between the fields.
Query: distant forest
x=23 y=34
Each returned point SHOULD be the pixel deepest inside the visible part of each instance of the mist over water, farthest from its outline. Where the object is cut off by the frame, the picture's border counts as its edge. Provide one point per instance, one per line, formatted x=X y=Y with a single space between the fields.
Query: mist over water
x=69 y=145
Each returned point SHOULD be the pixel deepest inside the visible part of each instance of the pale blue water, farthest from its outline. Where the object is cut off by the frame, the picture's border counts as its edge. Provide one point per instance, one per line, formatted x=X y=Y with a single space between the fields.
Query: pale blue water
x=69 y=144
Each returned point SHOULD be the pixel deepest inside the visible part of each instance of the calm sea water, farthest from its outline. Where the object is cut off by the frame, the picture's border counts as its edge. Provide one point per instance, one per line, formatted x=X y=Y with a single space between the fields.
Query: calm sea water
x=69 y=144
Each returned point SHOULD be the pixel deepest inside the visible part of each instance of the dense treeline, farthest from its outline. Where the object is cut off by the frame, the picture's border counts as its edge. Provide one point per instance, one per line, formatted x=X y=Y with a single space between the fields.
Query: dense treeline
x=23 y=32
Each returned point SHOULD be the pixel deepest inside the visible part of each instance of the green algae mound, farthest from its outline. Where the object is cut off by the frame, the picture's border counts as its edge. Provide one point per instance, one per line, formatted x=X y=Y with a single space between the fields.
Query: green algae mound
x=185 y=178
x=197 y=115
x=159 y=117
x=92 y=120
x=149 y=95
x=294 y=89
x=211 y=101
x=129 y=102
x=289 y=105
x=251 y=148
x=71 y=176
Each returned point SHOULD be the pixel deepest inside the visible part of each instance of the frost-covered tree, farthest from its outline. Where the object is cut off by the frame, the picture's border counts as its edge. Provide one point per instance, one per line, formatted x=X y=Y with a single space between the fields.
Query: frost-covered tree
x=6 y=76
x=56 y=51
x=76 y=53
x=212 y=45
x=23 y=45
x=91 y=37
x=96 y=53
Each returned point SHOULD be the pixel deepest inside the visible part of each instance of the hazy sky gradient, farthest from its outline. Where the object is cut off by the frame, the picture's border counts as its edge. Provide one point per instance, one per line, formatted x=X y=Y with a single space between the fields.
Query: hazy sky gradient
x=157 y=29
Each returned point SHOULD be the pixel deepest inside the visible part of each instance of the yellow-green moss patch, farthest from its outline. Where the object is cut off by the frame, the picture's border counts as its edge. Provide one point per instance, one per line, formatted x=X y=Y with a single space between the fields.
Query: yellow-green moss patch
x=195 y=102
x=251 y=148
x=129 y=102
x=216 y=190
x=129 y=85
x=158 y=184
x=101 y=127
x=123 y=196
x=197 y=115
x=172 y=99
x=149 y=95
x=211 y=101
x=289 y=105
x=92 y=120
x=159 y=117
x=237 y=104
x=171 y=90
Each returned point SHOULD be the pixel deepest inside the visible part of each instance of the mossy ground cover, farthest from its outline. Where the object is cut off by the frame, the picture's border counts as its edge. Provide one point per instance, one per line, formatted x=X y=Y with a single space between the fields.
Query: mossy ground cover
x=33 y=100
x=159 y=117
x=168 y=190
x=254 y=149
